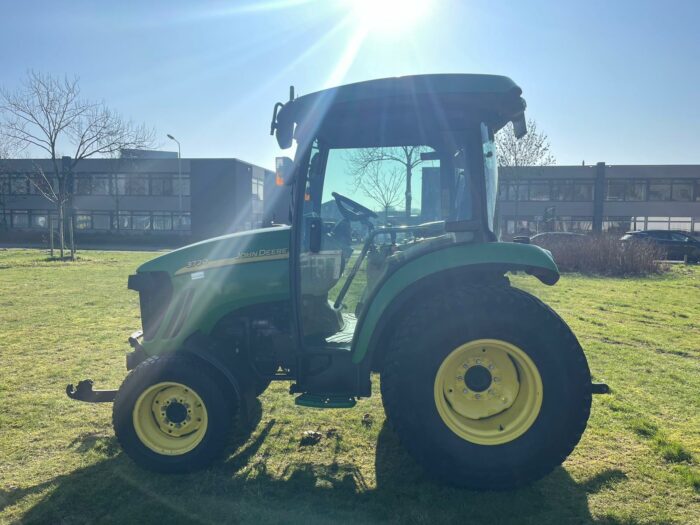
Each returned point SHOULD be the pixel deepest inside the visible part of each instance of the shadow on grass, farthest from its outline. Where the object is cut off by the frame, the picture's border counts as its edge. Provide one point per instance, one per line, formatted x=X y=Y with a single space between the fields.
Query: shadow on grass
x=242 y=490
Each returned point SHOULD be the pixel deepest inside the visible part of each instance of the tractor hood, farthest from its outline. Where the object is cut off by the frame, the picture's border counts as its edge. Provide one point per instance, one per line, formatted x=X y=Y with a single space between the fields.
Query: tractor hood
x=265 y=244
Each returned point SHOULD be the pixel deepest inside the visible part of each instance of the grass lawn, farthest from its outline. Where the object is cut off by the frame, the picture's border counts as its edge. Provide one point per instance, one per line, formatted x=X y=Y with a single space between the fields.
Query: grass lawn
x=59 y=461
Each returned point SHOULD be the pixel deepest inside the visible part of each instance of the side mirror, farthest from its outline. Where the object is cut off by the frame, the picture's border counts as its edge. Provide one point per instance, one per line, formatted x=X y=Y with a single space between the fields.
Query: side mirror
x=315 y=233
x=520 y=126
x=284 y=171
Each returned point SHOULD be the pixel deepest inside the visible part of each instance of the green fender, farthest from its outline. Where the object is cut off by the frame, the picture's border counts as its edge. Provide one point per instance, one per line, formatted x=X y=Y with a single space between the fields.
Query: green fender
x=508 y=256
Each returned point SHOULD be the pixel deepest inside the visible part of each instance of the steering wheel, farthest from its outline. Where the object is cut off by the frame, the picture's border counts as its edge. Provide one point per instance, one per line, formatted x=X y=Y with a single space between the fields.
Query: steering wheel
x=351 y=210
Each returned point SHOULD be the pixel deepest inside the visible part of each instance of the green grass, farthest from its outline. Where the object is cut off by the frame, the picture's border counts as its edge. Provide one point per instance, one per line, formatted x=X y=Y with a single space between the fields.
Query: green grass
x=59 y=461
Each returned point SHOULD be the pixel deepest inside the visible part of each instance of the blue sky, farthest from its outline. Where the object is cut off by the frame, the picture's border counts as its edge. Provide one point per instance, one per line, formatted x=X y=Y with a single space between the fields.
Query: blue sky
x=615 y=81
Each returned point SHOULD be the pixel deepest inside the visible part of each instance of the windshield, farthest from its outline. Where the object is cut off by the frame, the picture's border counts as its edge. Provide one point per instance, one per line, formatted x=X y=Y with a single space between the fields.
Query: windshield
x=403 y=185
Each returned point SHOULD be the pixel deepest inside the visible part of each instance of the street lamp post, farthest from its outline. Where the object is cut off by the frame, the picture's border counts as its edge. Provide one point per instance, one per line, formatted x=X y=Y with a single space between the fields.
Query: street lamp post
x=179 y=172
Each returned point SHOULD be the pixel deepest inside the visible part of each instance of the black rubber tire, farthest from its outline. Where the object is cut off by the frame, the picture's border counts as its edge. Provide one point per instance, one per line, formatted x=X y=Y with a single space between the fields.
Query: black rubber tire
x=431 y=330
x=261 y=385
x=220 y=402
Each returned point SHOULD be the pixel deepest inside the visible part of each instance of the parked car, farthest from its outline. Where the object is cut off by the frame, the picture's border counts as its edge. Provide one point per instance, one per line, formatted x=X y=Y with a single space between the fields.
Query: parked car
x=677 y=244
x=559 y=239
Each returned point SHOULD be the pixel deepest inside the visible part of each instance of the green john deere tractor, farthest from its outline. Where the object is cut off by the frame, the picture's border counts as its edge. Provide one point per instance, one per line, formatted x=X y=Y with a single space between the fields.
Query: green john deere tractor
x=485 y=385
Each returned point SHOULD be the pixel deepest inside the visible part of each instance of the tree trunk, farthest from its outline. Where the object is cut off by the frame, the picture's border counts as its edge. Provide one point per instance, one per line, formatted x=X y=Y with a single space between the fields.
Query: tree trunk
x=61 y=229
x=71 y=237
x=51 y=234
x=408 y=191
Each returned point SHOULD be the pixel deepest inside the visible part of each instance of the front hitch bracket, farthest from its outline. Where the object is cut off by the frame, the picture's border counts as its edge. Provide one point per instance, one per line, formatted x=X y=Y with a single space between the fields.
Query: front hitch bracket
x=84 y=392
x=599 y=388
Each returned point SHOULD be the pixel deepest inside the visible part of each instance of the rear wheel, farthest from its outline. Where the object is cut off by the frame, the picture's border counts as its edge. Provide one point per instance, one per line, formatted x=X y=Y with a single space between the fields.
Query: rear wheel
x=486 y=387
x=172 y=414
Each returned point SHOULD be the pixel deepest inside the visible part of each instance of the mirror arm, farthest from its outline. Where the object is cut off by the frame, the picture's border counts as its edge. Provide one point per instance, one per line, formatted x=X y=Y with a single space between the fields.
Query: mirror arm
x=273 y=124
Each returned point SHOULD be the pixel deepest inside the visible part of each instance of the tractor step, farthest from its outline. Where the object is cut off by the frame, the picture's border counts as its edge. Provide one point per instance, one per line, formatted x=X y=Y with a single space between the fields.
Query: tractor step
x=321 y=401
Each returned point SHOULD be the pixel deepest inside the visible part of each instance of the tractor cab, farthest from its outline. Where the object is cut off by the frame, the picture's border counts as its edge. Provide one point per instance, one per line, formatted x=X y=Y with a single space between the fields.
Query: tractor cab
x=406 y=164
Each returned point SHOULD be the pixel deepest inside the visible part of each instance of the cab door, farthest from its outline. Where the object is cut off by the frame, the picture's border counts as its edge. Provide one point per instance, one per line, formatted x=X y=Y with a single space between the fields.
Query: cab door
x=319 y=255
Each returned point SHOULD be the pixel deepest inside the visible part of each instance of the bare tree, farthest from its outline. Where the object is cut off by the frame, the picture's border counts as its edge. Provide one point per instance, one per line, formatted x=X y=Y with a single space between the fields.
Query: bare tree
x=381 y=184
x=530 y=150
x=6 y=152
x=364 y=161
x=47 y=114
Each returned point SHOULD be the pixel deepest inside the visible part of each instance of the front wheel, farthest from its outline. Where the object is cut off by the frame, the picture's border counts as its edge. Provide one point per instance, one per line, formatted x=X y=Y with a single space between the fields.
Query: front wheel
x=486 y=387
x=172 y=414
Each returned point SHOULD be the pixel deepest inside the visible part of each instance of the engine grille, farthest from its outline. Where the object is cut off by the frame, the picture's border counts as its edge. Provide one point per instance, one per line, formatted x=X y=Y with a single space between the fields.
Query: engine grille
x=155 y=293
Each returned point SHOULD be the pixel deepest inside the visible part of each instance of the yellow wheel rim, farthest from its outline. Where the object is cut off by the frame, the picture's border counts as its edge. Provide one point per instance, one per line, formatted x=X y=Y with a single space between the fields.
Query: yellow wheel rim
x=170 y=418
x=488 y=392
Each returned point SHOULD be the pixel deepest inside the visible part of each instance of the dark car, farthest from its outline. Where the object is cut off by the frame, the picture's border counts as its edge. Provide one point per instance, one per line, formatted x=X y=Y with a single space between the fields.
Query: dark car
x=676 y=244
x=563 y=239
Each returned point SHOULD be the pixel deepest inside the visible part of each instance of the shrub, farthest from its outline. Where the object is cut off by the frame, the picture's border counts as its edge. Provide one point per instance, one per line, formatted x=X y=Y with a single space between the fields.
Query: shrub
x=603 y=255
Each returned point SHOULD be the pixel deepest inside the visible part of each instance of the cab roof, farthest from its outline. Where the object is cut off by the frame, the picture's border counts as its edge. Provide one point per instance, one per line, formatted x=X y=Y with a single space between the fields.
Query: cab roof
x=399 y=110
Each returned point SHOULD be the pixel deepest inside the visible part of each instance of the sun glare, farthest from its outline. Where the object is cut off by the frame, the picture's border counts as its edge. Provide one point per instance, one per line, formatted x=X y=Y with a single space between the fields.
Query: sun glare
x=389 y=16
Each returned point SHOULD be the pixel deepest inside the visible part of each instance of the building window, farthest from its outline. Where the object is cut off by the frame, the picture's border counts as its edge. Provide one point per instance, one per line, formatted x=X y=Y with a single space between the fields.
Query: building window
x=517 y=191
x=132 y=184
x=181 y=221
x=19 y=185
x=617 y=224
x=141 y=221
x=4 y=184
x=682 y=190
x=20 y=219
x=657 y=223
x=636 y=190
x=162 y=222
x=137 y=185
x=40 y=220
x=539 y=191
x=83 y=221
x=184 y=184
x=101 y=220
x=626 y=190
x=121 y=184
x=161 y=186
x=659 y=190
x=616 y=190
x=681 y=223
x=101 y=185
x=503 y=190
x=513 y=226
x=638 y=223
x=581 y=224
x=123 y=221
x=258 y=186
x=84 y=185
x=562 y=190
x=147 y=221
x=583 y=191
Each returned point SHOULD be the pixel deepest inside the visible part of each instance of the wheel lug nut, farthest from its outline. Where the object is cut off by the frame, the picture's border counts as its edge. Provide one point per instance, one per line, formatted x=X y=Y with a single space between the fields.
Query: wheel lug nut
x=496 y=379
x=465 y=391
x=459 y=378
x=490 y=367
x=478 y=396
